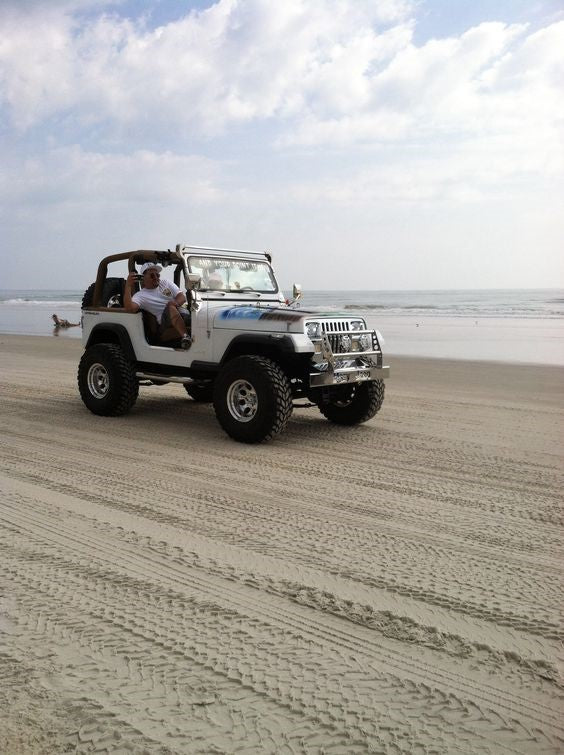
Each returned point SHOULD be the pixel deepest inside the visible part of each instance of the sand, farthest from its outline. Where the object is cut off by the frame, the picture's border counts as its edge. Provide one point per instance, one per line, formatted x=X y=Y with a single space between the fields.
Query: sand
x=395 y=587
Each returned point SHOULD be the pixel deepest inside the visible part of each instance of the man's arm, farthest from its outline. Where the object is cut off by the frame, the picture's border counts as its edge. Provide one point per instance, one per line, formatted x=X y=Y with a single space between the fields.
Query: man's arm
x=128 y=303
x=180 y=298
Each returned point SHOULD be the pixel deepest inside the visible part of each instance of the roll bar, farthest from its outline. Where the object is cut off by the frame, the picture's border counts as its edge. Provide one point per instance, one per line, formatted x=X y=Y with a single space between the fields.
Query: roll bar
x=137 y=257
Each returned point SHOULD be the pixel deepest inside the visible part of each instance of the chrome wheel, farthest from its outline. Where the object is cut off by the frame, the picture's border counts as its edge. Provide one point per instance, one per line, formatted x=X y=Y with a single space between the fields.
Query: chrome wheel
x=355 y=404
x=242 y=401
x=107 y=381
x=252 y=398
x=98 y=380
x=345 y=400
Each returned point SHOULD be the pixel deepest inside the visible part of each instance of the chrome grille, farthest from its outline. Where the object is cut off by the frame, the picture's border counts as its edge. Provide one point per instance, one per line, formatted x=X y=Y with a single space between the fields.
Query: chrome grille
x=338 y=333
x=341 y=347
x=335 y=341
x=333 y=329
x=335 y=326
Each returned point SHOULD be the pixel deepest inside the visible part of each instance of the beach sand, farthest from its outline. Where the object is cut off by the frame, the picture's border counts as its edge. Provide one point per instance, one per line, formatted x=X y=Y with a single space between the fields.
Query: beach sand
x=395 y=587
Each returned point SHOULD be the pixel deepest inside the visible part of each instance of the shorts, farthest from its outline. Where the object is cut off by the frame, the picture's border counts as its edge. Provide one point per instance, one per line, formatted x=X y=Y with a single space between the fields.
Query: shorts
x=166 y=323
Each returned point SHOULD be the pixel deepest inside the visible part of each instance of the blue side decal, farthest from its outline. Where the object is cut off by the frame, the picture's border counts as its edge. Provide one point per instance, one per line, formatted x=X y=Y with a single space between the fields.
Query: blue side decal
x=241 y=313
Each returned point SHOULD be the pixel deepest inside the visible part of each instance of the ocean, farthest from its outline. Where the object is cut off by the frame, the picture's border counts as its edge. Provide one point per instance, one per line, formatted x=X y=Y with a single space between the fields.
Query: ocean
x=521 y=326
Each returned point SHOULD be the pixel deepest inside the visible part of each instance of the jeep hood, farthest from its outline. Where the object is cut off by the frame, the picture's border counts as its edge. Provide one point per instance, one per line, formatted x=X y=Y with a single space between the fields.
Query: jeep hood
x=280 y=319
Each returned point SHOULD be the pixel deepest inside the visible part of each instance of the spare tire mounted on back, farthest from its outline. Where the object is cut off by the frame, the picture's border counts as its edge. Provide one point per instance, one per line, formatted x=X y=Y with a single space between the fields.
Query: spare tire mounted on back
x=112 y=293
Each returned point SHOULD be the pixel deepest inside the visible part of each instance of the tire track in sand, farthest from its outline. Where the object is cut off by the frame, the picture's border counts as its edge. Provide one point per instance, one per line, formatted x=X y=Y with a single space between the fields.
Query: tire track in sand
x=218 y=515
x=427 y=687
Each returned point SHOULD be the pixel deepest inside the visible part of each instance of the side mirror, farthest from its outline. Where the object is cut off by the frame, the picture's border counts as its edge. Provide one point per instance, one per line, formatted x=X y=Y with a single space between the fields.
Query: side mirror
x=296 y=294
x=193 y=281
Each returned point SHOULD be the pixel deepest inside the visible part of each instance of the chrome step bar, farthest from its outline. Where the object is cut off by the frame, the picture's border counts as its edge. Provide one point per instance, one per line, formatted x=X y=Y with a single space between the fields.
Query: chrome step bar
x=163 y=378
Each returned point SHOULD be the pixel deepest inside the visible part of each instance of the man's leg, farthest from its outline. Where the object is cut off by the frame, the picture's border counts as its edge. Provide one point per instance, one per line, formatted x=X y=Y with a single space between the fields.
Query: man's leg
x=172 y=323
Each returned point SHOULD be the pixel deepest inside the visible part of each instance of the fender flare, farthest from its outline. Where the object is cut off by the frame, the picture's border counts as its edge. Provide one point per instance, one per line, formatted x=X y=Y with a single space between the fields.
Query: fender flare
x=112 y=333
x=265 y=343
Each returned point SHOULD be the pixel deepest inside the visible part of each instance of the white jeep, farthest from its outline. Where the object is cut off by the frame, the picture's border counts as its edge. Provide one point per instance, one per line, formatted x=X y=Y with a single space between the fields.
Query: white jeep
x=253 y=353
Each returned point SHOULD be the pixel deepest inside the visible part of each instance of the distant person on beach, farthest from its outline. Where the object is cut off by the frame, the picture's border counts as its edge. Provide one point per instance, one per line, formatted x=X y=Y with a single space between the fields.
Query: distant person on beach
x=63 y=323
x=164 y=300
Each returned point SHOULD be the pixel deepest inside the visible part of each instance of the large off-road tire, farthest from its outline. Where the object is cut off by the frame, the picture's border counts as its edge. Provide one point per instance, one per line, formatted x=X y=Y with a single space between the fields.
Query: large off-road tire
x=252 y=399
x=112 y=293
x=106 y=380
x=355 y=403
x=201 y=392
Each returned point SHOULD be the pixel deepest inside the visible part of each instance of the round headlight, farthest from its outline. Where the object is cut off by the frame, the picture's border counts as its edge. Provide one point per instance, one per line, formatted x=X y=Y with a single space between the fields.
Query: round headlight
x=365 y=341
x=312 y=329
x=357 y=325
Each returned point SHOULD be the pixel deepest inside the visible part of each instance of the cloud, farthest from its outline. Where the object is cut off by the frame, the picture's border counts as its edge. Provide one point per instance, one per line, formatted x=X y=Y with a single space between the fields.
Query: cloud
x=72 y=175
x=20 y=7
x=480 y=170
x=233 y=62
x=292 y=107
x=338 y=74
x=448 y=118
x=482 y=107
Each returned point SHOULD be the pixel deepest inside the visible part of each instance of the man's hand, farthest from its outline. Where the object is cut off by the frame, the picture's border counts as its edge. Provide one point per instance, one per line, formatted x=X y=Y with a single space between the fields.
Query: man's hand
x=128 y=304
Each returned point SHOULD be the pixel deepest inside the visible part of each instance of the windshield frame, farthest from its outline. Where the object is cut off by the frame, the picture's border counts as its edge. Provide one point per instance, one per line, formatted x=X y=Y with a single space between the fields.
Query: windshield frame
x=233 y=259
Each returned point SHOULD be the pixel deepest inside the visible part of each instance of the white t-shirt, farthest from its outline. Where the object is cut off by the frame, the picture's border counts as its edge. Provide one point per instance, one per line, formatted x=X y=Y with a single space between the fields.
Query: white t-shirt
x=154 y=300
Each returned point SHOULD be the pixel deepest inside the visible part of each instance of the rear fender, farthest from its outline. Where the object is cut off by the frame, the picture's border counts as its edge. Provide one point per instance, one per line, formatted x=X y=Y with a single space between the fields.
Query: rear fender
x=112 y=333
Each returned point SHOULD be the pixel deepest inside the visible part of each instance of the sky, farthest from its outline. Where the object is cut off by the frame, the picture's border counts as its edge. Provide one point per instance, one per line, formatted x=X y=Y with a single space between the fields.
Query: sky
x=367 y=144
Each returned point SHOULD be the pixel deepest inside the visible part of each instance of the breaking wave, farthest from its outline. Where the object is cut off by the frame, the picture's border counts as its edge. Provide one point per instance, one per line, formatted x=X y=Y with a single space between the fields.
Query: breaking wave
x=39 y=303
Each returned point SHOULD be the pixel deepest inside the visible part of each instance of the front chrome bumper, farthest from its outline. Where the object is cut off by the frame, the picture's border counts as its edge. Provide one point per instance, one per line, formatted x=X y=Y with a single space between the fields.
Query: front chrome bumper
x=346 y=375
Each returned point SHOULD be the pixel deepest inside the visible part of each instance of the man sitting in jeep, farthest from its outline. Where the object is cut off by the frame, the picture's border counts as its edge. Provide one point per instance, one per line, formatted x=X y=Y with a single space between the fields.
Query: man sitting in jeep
x=163 y=300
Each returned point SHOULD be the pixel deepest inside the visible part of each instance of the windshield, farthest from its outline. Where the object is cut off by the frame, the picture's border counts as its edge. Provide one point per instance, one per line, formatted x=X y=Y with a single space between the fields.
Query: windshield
x=223 y=274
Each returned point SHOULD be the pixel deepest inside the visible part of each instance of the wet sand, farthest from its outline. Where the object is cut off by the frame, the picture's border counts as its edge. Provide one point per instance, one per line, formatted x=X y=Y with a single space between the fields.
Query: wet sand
x=395 y=587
